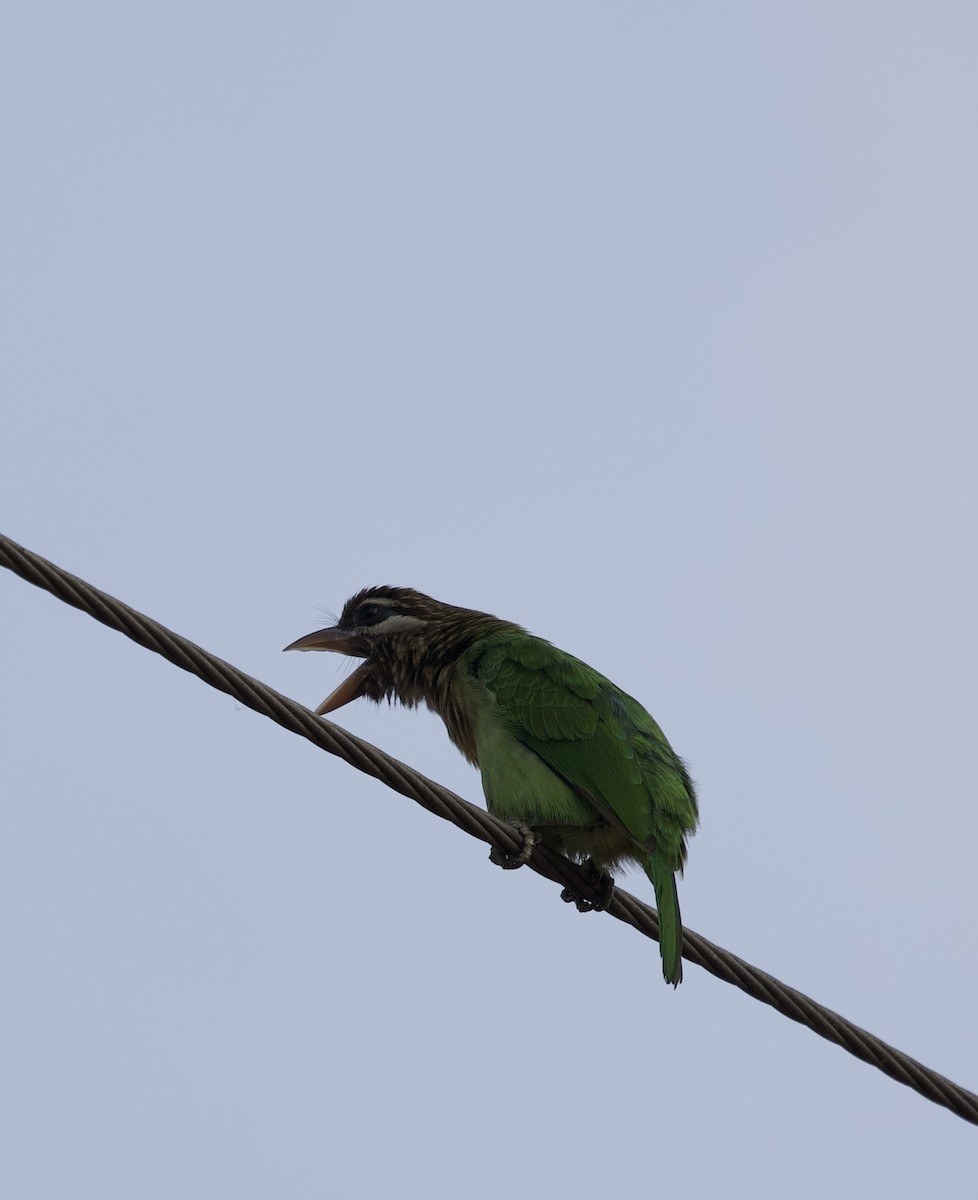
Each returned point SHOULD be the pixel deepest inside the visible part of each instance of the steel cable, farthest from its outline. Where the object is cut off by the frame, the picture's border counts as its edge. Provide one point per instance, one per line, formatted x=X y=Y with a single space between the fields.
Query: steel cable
x=480 y=824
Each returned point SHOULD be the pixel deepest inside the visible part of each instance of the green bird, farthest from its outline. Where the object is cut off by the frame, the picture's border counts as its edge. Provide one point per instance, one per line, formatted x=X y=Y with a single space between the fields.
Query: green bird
x=564 y=754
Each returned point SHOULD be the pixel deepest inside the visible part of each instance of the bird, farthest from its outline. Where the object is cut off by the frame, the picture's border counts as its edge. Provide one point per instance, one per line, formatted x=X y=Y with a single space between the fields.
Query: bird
x=565 y=755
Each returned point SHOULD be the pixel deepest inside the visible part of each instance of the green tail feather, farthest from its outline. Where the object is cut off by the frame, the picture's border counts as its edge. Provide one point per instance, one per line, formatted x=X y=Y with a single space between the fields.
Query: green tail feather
x=670 y=922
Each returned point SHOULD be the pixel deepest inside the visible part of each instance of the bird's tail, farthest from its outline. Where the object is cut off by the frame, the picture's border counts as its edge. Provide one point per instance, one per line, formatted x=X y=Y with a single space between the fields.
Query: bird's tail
x=670 y=922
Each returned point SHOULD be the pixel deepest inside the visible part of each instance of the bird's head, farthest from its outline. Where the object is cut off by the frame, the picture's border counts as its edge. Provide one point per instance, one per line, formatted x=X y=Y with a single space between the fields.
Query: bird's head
x=405 y=638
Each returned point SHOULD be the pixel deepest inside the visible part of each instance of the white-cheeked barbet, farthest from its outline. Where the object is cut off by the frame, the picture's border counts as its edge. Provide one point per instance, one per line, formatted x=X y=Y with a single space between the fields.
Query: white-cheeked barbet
x=561 y=749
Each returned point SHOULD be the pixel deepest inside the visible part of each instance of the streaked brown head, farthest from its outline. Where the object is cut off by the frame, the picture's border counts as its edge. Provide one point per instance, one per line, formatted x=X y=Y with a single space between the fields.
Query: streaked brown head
x=406 y=638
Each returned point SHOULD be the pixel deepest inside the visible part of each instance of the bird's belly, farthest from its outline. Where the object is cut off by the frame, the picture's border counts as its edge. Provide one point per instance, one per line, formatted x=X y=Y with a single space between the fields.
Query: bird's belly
x=520 y=786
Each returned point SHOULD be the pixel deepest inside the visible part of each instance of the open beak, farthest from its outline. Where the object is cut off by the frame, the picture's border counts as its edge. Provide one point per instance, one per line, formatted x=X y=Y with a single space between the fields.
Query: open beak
x=340 y=642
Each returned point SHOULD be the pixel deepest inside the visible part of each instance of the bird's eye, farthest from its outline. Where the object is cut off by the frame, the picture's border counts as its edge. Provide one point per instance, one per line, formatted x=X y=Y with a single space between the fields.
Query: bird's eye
x=369 y=614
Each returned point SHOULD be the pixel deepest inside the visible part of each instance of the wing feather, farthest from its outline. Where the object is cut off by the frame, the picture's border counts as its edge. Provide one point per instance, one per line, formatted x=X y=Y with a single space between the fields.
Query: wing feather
x=600 y=741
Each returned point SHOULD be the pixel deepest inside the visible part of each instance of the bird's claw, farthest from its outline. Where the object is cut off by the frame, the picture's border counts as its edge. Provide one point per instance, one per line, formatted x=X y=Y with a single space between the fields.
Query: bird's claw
x=601 y=883
x=509 y=862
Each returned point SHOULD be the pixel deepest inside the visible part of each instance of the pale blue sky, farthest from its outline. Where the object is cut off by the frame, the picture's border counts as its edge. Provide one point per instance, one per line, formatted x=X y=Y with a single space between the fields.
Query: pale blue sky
x=649 y=327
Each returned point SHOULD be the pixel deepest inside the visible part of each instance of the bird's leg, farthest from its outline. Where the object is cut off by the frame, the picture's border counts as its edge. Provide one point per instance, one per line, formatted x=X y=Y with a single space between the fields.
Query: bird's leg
x=509 y=862
x=600 y=881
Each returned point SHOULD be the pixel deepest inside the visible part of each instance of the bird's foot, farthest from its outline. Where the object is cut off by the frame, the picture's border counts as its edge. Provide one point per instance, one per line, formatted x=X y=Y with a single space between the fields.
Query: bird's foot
x=601 y=884
x=509 y=862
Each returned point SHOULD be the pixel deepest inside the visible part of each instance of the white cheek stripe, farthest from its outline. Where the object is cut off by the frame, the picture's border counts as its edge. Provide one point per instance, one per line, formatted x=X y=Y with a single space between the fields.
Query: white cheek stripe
x=394 y=624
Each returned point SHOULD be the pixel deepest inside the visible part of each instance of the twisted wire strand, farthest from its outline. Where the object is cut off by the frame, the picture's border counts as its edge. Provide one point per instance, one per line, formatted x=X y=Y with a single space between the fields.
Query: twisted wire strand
x=481 y=824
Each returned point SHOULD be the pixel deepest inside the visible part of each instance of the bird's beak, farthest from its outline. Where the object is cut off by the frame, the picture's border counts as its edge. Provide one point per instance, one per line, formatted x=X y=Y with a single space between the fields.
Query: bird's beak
x=340 y=642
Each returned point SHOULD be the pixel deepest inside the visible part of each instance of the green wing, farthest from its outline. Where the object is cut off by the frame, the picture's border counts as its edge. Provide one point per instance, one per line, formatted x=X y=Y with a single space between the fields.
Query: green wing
x=608 y=750
x=598 y=739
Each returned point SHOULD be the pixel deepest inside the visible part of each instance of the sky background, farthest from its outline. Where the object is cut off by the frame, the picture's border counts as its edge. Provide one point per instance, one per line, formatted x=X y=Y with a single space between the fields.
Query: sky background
x=650 y=327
